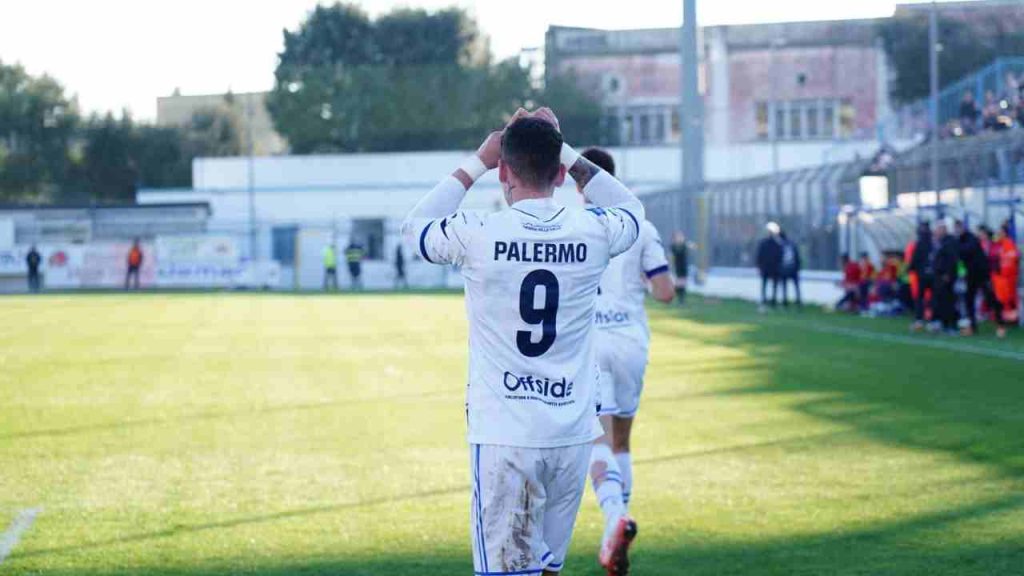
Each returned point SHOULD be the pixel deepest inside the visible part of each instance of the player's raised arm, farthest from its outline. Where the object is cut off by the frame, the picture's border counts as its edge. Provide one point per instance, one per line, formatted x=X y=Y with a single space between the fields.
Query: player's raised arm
x=617 y=206
x=434 y=227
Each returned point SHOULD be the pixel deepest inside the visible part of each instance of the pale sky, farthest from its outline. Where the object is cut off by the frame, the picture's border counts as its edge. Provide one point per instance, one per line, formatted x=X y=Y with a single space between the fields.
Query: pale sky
x=118 y=54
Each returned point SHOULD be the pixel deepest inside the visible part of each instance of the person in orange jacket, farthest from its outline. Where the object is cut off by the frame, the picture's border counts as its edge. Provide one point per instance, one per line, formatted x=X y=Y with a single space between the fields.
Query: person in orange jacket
x=1007 y=274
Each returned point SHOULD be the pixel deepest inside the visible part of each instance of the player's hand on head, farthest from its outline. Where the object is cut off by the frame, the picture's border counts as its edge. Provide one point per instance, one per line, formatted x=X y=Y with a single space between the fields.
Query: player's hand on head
x=547 y=115
x=490 y=150
x=520 y=113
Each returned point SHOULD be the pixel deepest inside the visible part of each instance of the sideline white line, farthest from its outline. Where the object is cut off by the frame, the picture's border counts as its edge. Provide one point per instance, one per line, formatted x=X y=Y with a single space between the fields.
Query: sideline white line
x=910 y=340
x=21 y=524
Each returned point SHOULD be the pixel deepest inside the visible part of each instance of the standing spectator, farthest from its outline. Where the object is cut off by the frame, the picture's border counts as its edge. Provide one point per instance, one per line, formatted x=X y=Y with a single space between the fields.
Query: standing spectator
x=769 y=260
x=974 y=251
x=921 y=267
x=789 y=270
x=1007 y=275
x=867 y=280
x=134 y=266
x=945 y=262
x=968 y=113
x=330 y=258
x=680 y=264
x=33 y=260
x=400 y=279
x=851 y=282
x=354 y=256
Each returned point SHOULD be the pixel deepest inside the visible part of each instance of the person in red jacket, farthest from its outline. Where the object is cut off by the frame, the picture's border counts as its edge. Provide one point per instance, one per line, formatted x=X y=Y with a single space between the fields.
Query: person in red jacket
x=850 y=283
x=867 y=279
x=1006 y=273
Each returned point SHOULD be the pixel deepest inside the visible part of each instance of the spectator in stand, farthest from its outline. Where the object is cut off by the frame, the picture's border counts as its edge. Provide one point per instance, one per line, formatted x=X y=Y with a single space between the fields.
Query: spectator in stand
x=134 y=266
x=979 y=279
x=990 y=113
x=850 y=283
x=1007 y=274
x=968 y=113
x=789 y=270
x=680 y=264
x=769 y=261
x=867 y=280
x=354 y=256
x=1012 y=89
x=921 y=267
x=33 y=260
x=945 y=262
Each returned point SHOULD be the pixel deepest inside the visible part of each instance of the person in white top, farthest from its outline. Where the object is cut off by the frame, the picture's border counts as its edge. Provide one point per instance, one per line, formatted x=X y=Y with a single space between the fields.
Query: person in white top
x=531 y=274
x=622 y=342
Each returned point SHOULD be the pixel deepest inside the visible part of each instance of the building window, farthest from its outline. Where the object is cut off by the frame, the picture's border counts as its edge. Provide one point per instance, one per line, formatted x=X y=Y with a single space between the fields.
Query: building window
x=645 y=127
x=780 y=121
x=659 y=127
x=370 y=234
x=828 y=120
x=812 y=120
x=677 y=132
x=796 y=117
x=847 y=115
x=761 y=120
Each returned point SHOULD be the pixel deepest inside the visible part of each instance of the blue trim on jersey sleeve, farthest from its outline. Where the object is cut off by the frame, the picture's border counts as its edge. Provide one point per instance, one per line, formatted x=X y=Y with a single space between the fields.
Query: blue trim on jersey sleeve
x=659 y=270
x=634 y=221
x=596 y=210
x=444 y=227
x=423 y=243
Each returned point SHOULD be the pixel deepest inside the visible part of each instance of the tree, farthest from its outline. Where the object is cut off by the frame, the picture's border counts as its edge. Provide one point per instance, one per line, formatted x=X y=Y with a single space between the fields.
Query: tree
x=579 y=114
x=37 y=122
x=412 y=80
x=968 y=44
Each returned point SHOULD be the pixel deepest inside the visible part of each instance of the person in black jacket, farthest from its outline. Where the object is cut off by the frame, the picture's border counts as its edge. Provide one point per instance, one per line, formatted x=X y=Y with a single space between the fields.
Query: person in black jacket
x=979 y=278
x=945 y=259
x=921 y=264
x=789 y=268
x=680 y=264
x=769 y=262
x=33 y=260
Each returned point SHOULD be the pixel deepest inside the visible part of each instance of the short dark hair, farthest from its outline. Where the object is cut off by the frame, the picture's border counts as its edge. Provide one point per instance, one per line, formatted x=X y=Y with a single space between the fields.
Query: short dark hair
x=602 y=158
x=532 y=148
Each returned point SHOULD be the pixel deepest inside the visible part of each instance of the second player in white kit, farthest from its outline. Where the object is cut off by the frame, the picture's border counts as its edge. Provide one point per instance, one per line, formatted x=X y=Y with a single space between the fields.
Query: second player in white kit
x=622 y=344
x=532 y=273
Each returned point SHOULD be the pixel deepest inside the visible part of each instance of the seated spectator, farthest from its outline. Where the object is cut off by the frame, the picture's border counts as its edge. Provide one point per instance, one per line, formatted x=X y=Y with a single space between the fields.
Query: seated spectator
x=850 y=284
x=867 y=279
x=968 y=113
x=886 y=284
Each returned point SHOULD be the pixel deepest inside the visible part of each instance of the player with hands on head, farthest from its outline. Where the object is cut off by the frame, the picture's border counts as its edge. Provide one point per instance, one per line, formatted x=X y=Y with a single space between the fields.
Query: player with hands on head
x=531 y=275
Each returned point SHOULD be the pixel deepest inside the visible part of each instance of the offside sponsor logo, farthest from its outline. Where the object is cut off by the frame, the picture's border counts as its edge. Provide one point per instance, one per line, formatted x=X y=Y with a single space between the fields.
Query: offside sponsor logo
x=552 y=392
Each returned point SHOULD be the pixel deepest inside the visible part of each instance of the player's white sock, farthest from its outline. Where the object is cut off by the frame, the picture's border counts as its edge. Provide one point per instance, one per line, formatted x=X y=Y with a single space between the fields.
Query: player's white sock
x=607 y=481
x=625 y=461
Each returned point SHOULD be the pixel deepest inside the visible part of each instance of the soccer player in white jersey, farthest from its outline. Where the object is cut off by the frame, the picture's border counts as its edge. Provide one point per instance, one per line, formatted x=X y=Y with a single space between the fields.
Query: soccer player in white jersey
x=622 y=340
x=531 y=273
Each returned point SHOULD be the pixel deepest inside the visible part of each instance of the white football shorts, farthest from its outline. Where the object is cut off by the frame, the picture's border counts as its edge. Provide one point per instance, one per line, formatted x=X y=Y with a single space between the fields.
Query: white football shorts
x=524 y=506
x=623 y=364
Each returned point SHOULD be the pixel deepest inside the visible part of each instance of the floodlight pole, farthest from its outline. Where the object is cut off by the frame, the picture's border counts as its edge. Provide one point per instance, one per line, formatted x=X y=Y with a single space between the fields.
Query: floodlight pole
x=933 y=80
x=691 y=124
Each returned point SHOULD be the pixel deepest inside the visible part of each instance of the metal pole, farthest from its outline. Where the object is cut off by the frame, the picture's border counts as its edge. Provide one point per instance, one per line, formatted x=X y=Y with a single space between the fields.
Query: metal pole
x=933 y=65
x=251 y=178
x=691 y=120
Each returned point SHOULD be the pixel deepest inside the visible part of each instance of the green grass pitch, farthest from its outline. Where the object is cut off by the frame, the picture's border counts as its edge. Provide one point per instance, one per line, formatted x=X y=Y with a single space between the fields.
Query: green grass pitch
x=275 y=434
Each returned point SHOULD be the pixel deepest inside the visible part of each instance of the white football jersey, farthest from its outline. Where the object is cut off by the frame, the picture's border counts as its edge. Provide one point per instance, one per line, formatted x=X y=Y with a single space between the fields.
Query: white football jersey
x=532 y=272
x=620 y=301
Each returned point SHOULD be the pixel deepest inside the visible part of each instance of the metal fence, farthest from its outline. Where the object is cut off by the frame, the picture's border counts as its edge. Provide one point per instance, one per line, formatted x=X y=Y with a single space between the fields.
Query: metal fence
x=733 y=214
